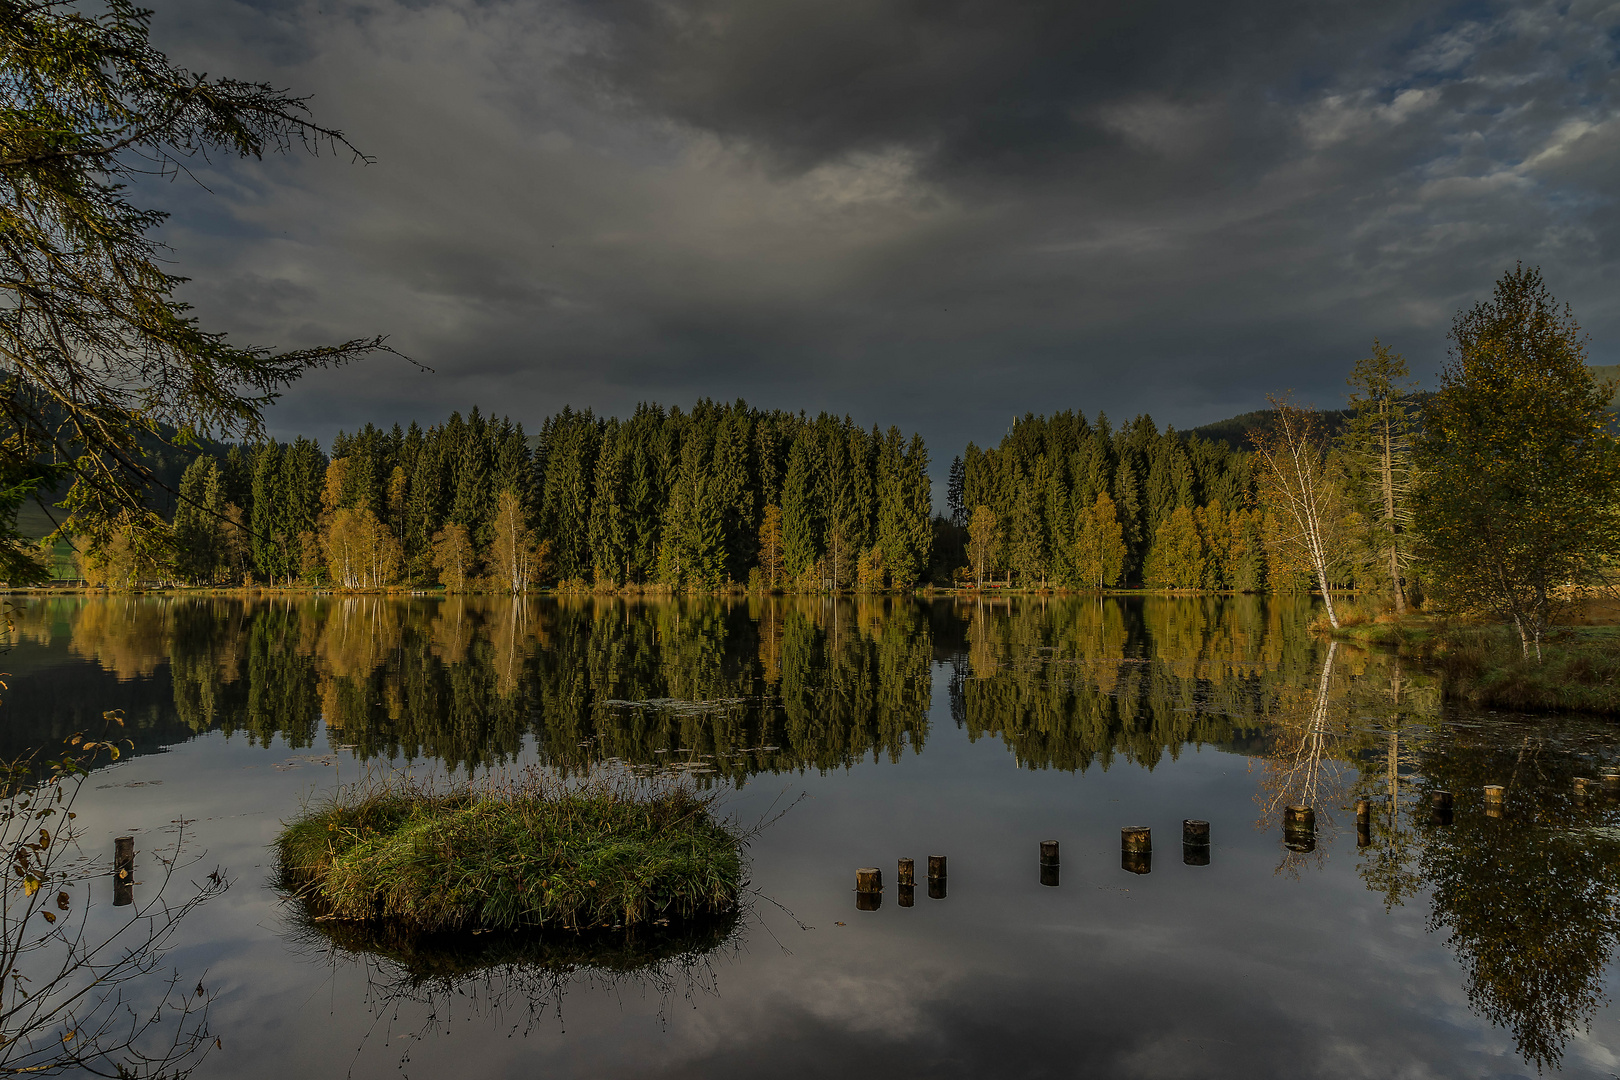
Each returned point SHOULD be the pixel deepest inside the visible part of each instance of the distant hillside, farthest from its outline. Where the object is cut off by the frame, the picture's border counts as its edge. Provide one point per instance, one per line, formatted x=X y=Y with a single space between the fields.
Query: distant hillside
x=1235 y=431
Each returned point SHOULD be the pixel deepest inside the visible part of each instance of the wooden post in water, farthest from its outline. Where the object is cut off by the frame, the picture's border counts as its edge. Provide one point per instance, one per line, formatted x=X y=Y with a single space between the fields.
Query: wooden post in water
x=868 y=888
x=1299 y=828
x=1049 y=863
x=1136 y=849
x=1441 y=801
x=1493 y=800
x=1195 y=842
x=1363 y=811
x=908 y=872
x=908 y=894
x=936 y=877
x=1611 y=784
x=123 y=871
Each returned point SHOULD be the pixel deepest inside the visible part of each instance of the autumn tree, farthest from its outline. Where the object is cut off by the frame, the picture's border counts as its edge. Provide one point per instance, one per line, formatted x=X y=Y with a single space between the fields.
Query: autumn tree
x=1177 y=559
x=1520 y=467
x=982 y=542
x=770 y=547
x=1377 y=444
x=1298 y=484
x=516 y=557
x=1099 y=543
x=453 y=557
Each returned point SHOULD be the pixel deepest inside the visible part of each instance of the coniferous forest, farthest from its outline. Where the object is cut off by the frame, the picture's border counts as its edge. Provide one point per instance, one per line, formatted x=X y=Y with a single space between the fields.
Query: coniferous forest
x=722 y=494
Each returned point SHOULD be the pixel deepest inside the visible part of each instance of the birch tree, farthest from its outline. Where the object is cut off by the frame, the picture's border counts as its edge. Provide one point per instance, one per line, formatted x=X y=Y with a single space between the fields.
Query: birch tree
x=1520 y=479
x=515 y=555
x=1295 y=479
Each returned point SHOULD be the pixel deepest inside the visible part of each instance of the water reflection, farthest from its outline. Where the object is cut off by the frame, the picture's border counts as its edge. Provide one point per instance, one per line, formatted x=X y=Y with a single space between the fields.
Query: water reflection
x=729 y=689
x=514 y=980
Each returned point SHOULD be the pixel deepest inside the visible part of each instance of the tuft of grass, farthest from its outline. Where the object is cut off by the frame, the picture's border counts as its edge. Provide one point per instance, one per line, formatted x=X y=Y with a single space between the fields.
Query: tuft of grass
x=1579 y=670
x=530 y=854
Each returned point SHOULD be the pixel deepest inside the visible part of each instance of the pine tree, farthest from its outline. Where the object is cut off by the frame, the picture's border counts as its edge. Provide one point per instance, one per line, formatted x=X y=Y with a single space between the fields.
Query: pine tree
x=1377 y=444
x=801 y=533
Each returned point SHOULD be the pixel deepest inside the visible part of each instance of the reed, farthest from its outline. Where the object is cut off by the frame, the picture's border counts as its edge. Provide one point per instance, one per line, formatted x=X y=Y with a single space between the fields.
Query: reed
x=520 y=854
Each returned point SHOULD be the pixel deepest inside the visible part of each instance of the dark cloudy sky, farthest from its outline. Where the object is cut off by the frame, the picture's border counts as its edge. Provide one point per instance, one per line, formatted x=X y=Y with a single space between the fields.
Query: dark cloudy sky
x=933 y=213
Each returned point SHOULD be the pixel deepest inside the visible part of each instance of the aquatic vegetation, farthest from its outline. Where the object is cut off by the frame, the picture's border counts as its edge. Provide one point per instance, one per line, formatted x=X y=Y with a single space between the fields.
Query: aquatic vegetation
x=530 y=853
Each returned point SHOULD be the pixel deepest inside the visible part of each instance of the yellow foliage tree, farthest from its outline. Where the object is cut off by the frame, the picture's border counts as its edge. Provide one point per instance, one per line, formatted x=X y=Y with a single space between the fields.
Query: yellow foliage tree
x=515 y=556
x=1099 y=541
x=1177 y=559
x=453 y=557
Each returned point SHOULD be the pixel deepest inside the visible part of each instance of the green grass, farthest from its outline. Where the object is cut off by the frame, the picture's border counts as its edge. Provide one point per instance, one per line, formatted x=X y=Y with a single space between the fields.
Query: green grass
x=528 y=855
x=1579 y=670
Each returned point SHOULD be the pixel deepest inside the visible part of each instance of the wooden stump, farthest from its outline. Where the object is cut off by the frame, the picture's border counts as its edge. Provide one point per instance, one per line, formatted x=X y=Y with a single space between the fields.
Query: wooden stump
x=1049 y=874
x=1049 y=851
x=868 y=901
x=1363 y=811
x=908 y=894
x=936 y=888
x=936 y=867
x=1195 y=854
x=1195 y=833
x=1493 y=800
x=908 y=872
x=1299 y=828
x=123 y=871
x=1136 y=838
x=1137 y=862
x=869 y=879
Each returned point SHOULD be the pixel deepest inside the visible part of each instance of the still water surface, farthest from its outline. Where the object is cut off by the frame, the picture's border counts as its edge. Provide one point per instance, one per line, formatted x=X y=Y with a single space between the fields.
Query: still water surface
x=1478 y=946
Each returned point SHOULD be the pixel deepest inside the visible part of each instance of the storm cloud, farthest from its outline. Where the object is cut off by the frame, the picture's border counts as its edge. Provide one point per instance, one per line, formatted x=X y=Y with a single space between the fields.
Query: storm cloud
x=934 y=214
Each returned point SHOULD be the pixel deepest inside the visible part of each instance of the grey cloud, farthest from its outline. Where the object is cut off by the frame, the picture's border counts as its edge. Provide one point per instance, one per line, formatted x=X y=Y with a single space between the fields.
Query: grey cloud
x=937 y=215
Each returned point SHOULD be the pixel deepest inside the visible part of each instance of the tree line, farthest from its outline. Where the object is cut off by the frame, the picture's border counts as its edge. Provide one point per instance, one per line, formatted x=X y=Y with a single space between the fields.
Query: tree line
x=1498 y=493
x=722 y=494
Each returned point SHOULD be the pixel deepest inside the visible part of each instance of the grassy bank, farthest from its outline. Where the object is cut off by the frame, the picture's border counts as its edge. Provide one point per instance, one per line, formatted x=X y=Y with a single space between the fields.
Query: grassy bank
x=1579 y=670
x=527 y=855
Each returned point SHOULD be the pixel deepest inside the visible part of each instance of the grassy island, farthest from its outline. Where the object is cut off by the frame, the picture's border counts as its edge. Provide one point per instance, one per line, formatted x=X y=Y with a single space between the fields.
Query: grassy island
x=529 y=855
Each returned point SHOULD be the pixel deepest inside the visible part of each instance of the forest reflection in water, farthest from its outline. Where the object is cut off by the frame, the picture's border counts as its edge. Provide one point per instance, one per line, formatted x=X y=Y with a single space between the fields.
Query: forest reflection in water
x=727 y=689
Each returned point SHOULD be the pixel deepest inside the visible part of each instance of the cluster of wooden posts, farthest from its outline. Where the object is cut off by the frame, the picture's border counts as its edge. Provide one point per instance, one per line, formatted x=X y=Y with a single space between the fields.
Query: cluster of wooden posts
x=1136 y=843
x=1135 y=855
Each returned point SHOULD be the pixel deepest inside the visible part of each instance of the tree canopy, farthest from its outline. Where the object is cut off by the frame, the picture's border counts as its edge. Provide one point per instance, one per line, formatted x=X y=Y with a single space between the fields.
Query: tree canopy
x=1518 y=463
x=99 y=355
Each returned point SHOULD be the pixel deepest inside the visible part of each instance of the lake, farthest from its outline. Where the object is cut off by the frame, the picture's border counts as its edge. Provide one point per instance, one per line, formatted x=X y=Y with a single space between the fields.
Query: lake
x=1428 y=942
